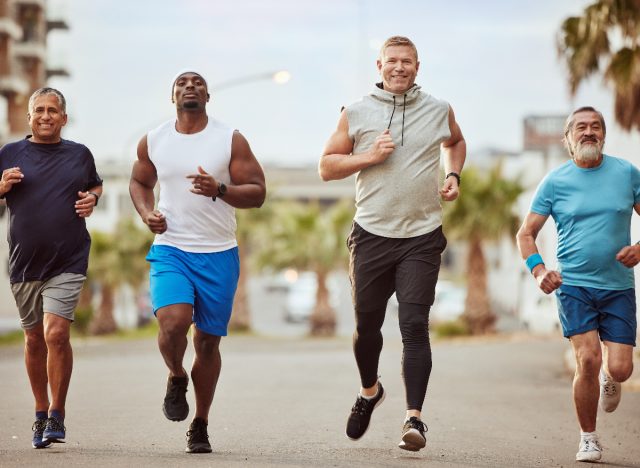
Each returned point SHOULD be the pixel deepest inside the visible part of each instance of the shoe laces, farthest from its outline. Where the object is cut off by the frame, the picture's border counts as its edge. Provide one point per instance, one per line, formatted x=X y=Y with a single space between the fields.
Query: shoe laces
x=55 y=425
x=415 y=423
x=197 y=432
x=176 y=391
x=590 y=445
x=609 y=388
x=38 y=426
x=361 y=406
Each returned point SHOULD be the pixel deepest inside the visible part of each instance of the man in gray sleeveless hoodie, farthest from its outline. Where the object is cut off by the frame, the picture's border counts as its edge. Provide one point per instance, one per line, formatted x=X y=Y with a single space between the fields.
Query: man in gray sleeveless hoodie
x=391 y=140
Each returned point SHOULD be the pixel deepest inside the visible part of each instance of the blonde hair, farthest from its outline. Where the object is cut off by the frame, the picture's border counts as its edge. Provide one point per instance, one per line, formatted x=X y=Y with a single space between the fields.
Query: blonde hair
x=398 y=41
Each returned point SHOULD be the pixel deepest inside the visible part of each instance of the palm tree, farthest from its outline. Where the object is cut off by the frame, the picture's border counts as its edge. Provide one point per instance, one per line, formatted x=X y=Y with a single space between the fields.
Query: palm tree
x=584 y=43
x=483 y=212
x=116 y=259
x=308 y=237
x=251 y=231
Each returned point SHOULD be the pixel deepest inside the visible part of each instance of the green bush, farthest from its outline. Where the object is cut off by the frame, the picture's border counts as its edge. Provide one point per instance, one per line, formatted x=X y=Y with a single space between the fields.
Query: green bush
x=83 y=316
x=12 y=337
x=450 y=329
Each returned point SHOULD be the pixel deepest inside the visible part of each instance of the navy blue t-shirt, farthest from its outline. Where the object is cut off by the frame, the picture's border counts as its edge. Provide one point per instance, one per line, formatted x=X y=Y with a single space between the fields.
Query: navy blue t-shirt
x=46 y=235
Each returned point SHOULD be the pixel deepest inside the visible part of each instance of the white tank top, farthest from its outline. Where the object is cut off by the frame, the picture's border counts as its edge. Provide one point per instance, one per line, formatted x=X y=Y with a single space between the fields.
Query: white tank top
x=194 y=223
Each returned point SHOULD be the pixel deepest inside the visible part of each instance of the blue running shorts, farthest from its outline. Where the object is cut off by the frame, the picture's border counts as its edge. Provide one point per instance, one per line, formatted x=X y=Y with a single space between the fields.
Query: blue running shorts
x=611 y=312
x=207 y=281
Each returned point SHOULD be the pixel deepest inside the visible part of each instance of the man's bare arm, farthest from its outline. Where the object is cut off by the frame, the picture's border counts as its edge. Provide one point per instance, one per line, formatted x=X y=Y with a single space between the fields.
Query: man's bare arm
x=548 y=280
x=455 y=153
x=337 y=160
x=141 y=185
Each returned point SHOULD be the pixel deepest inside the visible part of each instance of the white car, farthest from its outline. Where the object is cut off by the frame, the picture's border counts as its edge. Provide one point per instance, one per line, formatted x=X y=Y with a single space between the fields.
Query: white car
x=448 y=304
x=300 y=297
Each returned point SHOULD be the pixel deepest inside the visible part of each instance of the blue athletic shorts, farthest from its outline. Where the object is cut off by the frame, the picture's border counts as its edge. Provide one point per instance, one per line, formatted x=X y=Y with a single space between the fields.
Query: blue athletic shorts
x=207 y=281
x=612 y=313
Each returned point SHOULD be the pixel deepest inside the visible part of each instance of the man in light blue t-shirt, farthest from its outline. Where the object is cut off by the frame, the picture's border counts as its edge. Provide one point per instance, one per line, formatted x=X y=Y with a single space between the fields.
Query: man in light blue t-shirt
x=591 y=199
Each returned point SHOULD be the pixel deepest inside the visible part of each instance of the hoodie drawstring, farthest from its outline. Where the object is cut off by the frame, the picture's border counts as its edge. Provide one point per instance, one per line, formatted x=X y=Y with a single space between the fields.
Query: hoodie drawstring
x=404 y=107
x=392 y=112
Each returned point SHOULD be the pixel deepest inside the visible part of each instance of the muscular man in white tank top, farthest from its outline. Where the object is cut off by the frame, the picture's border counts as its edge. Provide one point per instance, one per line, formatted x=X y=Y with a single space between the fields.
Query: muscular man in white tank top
x=205 y=170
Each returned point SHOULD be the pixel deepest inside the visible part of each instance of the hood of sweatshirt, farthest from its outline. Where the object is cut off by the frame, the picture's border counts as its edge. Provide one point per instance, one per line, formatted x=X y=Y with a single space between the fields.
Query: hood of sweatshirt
x=407 y=97
x=396 y=100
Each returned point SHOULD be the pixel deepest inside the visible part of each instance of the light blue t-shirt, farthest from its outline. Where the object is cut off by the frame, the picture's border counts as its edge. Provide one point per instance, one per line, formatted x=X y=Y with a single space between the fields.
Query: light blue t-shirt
x=592 y=210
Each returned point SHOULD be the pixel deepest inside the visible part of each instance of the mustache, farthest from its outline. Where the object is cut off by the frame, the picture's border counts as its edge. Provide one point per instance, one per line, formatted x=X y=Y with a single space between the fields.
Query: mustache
x=589 y=138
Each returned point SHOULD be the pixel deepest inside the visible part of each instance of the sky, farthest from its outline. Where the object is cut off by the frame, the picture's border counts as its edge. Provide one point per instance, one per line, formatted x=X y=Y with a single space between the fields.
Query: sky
x=494 y=61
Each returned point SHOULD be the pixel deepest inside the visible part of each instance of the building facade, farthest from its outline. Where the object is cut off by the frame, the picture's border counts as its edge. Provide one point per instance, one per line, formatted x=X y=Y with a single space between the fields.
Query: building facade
x=24 y=26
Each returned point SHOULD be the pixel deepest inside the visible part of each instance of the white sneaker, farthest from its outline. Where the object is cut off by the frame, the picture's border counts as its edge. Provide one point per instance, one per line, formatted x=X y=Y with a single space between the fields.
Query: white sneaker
x=589 y=450
x=610 y=393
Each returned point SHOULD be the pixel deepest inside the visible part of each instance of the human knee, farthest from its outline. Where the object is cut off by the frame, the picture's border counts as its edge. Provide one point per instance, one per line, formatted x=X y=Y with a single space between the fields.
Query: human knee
x=57 y=336
x=588 y=362
x=413 y=320
x=621 y=371
x=173 y=328
x=34 y=341
x=366 y=329
x=206 y=345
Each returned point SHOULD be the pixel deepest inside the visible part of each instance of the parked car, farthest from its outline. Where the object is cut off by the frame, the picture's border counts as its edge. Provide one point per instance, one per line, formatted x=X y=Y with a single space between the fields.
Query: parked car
x=448 y=304
x=300 y=297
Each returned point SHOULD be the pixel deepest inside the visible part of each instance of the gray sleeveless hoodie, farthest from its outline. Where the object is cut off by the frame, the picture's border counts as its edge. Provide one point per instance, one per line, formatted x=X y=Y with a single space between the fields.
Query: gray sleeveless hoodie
x=399 y=198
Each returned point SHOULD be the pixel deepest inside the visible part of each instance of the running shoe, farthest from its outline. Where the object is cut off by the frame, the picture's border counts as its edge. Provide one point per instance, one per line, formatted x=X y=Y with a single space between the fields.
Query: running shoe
x=360 y=416
x=589 y=449
x=38 y=430
x=610 y=392
x=197 y=437
x=175 y=406
x=413 y=437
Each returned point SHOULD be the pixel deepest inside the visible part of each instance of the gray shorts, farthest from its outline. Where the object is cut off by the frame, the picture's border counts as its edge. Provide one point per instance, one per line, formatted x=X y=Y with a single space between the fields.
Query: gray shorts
x=58 y=295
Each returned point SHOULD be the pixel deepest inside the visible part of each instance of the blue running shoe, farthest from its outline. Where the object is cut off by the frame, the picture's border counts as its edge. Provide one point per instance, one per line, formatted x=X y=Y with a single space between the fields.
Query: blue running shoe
x=54 y=431
x=38 y=429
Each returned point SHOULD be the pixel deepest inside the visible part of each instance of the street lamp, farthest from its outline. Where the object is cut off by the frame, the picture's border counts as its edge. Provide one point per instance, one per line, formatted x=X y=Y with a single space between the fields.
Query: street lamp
x=278 y=77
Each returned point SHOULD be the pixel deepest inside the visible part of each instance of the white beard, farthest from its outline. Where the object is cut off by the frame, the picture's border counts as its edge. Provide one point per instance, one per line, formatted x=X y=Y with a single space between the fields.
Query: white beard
x=587 y=152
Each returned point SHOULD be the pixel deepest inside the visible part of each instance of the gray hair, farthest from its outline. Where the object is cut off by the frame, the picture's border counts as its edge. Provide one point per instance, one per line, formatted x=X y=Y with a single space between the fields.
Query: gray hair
x=568 y=126
x=46 y=92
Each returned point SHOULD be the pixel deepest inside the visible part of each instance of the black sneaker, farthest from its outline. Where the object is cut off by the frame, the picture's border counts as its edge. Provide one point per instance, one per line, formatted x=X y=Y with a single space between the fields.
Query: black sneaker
x=413 y=438
x=197 y=437
x=358 y=421
x=54 y=431
x=175 y=406
x=38 y=430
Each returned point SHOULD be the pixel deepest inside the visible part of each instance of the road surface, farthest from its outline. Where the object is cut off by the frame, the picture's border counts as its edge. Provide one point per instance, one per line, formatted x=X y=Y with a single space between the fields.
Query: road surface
x=499 y=402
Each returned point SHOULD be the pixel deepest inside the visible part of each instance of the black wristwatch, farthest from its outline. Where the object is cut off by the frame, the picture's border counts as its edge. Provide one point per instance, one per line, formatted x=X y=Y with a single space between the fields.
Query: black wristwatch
x=454 y=174
x=222 y=190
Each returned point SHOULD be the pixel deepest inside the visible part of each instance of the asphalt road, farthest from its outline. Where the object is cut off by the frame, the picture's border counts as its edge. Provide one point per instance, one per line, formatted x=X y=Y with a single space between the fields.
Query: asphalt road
x=499 y=402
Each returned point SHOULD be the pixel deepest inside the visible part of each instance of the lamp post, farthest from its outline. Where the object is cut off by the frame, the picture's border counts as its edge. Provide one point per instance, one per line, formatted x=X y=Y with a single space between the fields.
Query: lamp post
x=278 y=77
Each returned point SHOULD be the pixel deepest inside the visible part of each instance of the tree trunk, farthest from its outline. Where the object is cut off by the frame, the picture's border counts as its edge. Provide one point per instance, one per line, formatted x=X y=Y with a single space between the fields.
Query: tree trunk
x=104 y=323
x=477 y=315
x=86 y=295
x=241 y=314
x=323 y=318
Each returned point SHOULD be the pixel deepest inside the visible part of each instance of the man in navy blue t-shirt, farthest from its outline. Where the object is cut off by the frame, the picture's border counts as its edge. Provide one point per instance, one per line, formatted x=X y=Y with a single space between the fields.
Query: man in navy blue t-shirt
x=50 y=186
